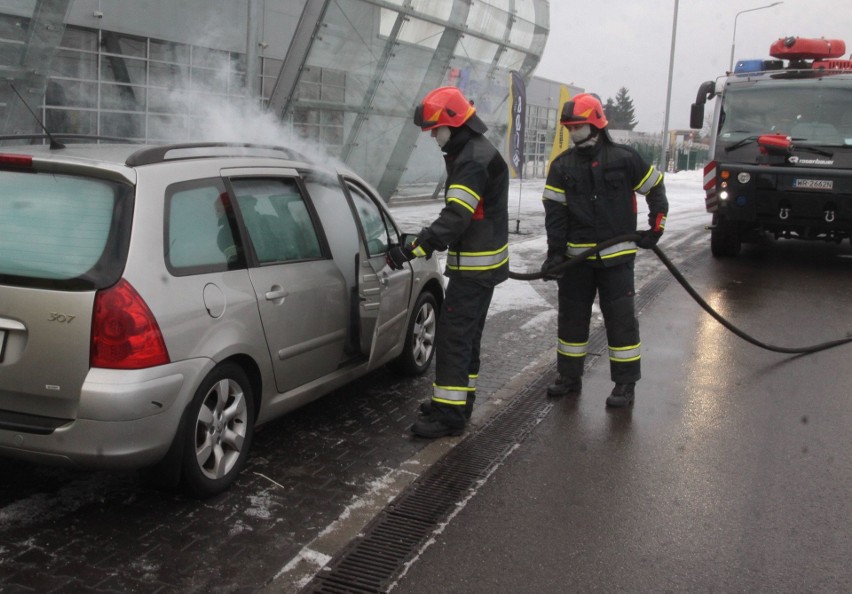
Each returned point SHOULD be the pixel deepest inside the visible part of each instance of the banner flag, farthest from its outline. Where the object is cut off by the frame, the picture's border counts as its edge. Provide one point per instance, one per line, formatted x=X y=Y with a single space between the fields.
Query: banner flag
x=517 y=121
x=562 y=138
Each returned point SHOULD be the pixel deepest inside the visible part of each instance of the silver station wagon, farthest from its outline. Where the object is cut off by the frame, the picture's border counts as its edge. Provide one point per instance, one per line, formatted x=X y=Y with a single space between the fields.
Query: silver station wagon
x=159 y=302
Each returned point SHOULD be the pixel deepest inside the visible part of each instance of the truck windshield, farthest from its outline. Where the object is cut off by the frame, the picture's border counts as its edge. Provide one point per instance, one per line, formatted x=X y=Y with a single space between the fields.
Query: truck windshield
x=815 y=111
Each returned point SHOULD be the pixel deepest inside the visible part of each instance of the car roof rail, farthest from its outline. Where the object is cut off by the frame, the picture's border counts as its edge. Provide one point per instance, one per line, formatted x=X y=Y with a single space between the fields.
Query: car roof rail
x=197 y=150
x=69 y=136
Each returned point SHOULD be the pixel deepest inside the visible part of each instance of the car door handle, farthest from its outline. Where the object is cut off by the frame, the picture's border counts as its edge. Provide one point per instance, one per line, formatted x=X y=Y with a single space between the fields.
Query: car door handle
x=276 y=295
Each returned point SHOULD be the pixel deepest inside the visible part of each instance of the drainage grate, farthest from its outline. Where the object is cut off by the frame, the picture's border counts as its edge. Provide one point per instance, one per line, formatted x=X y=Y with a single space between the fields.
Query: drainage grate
x=371 y=562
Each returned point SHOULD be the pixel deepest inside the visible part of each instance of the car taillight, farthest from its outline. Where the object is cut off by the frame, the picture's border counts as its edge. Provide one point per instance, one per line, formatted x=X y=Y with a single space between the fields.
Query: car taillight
x=11 y=160
x=125 y=334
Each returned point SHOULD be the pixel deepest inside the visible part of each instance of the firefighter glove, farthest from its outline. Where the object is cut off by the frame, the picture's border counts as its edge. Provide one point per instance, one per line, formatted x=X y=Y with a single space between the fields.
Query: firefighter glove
x=648 y=239
x=552 y=261
x=398 y=255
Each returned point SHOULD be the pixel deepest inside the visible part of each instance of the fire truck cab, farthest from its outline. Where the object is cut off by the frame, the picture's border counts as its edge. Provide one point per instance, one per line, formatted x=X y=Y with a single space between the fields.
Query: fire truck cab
x=780 y=146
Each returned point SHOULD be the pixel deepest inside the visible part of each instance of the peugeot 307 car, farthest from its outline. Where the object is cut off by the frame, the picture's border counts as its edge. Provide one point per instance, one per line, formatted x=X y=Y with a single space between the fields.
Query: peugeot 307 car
x=157 y=303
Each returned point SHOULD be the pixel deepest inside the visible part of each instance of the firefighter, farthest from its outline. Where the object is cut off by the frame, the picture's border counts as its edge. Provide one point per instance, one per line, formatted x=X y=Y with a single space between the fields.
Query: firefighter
x=590 y=197
x=474 y=226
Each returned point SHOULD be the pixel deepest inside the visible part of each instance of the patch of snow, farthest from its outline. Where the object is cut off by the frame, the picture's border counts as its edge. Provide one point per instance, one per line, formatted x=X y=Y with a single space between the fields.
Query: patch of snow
x=260 y=506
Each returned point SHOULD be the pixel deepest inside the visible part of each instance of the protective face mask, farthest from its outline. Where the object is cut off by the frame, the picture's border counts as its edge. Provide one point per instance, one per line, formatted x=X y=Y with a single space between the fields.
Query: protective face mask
x=583 y=135
x=442 y=135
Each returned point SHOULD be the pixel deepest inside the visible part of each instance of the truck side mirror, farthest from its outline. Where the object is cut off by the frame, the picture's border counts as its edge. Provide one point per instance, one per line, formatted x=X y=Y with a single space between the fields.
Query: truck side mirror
x=696 y=116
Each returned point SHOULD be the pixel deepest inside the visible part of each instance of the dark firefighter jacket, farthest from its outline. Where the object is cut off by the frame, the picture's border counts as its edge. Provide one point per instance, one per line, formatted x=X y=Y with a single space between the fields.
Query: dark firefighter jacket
x=590 y=197
x=474 y=223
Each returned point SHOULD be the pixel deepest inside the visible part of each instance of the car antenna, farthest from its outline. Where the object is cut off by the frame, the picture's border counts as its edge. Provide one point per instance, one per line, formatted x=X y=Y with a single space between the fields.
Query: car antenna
x=54 y=144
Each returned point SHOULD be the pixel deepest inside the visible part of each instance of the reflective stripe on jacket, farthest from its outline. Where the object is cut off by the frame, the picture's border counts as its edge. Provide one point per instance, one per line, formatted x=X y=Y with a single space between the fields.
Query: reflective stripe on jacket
x=614 y=251
x=464 y=196
x=651 y=179
x=478 y=261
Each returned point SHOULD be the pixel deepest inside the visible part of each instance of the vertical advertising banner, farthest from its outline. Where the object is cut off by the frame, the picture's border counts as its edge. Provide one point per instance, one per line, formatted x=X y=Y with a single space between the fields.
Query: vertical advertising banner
x=517 y=121
x=562 y=138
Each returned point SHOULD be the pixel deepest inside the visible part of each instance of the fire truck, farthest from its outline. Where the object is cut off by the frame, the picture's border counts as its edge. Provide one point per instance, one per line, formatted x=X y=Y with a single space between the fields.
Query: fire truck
x=780 y=146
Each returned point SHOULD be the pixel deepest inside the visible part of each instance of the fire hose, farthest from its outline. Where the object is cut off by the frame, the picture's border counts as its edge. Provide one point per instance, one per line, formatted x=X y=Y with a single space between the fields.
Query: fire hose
x=527 y=276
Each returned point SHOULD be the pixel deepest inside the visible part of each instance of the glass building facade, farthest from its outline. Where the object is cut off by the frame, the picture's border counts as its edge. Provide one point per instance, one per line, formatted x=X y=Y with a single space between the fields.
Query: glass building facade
x=344 y=75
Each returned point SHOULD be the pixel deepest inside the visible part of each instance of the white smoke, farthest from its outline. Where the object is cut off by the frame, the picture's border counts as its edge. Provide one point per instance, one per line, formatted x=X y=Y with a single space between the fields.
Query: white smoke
x=245 y=121
x=236 y=118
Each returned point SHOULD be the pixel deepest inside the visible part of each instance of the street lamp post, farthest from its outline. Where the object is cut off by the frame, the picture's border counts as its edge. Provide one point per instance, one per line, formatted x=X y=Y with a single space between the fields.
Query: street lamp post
x=665 y=139
x=734 y=39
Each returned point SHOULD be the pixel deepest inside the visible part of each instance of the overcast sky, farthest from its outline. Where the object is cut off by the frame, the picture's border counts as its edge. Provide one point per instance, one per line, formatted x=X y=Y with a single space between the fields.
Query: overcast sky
x=603 y=45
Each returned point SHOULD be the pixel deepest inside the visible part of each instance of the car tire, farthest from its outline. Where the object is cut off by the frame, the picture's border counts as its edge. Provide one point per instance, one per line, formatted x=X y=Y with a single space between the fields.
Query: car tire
x=419 y=346
x=217 y=431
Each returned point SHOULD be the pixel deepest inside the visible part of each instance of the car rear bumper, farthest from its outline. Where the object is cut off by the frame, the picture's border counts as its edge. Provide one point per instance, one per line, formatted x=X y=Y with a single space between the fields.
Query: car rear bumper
x=126 y=419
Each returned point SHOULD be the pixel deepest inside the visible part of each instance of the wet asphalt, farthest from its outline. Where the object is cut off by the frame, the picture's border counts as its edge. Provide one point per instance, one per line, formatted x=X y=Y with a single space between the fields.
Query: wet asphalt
x=731 y=473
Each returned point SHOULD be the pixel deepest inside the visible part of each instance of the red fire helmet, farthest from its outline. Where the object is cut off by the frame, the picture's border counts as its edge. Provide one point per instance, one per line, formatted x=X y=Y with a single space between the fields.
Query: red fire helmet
x=585 y=108
x=444 y=106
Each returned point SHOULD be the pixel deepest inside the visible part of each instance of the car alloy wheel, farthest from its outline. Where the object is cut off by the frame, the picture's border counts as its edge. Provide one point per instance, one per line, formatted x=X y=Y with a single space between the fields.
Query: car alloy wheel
x=420 y=338
x=219 y=432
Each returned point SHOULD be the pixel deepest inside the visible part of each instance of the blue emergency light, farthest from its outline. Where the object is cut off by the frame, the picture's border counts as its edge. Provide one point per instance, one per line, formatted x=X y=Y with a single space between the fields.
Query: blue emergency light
x=751 y=66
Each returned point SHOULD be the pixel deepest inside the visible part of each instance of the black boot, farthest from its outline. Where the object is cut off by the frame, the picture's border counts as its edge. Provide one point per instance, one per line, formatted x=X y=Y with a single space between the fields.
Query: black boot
x=444 y=420
x=426 y=407
x=622 y=395
x=564 y=386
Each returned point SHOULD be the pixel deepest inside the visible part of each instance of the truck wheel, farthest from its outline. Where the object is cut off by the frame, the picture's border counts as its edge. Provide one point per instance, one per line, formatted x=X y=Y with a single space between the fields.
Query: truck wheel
x=725 y=240
x=217 y=431
x=419 y=338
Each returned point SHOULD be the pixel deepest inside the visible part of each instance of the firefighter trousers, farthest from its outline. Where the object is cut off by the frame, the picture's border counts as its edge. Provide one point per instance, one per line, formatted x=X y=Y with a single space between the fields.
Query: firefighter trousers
x=614 y=287
x=457 y=342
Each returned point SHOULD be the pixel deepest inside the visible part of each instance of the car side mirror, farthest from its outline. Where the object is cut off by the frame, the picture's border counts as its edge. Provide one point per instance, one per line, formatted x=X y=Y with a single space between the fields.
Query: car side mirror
x=406 y=238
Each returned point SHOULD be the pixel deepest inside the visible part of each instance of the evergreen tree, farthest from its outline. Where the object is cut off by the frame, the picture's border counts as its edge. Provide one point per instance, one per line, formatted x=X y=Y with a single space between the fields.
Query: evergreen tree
x=620 y=112
x=609 y=110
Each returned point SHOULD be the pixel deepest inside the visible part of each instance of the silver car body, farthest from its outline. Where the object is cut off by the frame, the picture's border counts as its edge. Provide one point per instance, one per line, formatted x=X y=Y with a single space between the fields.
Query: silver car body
x=298 y=327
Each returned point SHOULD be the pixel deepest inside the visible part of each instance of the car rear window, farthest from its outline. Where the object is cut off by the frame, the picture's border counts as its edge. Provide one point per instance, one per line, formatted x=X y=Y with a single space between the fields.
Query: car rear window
x=62 y=231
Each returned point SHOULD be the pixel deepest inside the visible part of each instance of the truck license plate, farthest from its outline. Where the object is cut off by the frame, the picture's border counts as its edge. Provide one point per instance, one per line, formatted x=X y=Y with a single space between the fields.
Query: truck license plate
x=814 y=184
